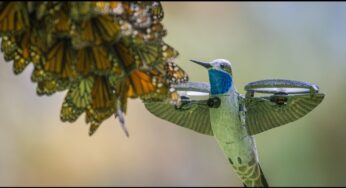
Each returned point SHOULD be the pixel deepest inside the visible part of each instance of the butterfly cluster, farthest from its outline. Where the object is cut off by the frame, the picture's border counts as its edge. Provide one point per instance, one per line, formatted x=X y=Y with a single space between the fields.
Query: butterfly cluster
x=102 y=53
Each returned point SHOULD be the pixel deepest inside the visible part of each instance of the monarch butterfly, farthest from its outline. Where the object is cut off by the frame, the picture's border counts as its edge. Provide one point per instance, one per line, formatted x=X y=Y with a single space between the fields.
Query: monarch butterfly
x=14 y=17
x=79 y=12
x=41 y=10
x=81 y=92
x=101 y=52
x=49 y=85
x=87 y=95
x=96 y=30
x=22 y=54
x=156 y=31
x=59 y=23
x=77 y=99
x=59 y=60
x=98 y=59
x=69 y=112
x=111 y=7
x=17 y=48
x=8 y=47
x=102 y=104
x=144 y=53
x=152 y=80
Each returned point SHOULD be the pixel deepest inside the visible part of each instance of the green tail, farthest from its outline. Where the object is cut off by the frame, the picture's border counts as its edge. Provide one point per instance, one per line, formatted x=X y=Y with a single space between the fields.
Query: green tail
x=262 y=177
x=251 y=174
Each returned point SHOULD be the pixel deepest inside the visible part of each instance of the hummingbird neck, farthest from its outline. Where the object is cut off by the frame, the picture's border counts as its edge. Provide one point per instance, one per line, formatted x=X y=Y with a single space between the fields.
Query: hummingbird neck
x=221 y=83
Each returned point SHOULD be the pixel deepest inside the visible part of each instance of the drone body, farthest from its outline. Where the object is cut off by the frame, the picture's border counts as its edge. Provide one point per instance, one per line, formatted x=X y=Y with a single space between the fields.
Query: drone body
x=233 y=119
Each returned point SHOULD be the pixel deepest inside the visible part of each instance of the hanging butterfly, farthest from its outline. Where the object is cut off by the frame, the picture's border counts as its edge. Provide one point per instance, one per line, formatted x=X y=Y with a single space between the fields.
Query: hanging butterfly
x=101 y=52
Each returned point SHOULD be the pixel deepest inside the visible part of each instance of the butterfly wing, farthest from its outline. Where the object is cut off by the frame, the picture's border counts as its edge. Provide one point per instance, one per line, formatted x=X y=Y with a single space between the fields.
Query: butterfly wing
x=96 y=30
x=13 y=17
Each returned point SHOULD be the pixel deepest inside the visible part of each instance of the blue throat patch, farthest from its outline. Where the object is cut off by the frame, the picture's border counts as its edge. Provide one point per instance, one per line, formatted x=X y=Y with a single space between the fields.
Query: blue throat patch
x=220 y=82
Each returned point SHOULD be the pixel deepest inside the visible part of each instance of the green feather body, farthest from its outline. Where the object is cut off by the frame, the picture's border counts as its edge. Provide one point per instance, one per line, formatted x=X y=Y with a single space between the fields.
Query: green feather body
x=232 y=136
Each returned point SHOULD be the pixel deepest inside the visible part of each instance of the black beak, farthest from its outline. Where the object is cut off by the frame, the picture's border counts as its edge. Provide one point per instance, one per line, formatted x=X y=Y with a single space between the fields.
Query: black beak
x=206 y=65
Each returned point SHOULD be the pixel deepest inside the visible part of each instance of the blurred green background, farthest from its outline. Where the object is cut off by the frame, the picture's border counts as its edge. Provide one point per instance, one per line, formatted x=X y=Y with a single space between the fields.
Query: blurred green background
x=290 y=40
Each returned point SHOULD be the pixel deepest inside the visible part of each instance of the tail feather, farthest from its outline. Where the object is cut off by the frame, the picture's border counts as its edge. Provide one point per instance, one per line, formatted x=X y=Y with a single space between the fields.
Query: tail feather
x=251 y=174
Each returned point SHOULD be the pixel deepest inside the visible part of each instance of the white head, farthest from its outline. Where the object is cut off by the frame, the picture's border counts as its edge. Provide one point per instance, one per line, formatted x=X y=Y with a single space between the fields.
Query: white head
x=220 y=75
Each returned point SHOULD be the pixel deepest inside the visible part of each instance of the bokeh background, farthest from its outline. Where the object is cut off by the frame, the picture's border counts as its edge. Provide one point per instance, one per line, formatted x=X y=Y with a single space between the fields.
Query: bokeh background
x=290 y=40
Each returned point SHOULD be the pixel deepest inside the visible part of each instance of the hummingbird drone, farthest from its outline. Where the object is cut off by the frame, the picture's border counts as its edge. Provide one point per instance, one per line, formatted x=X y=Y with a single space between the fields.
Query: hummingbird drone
x=233 y=119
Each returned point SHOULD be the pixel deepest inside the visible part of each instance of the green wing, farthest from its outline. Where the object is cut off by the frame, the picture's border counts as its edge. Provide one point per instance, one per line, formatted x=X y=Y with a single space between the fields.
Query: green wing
x=195 y=117
x=265 y=113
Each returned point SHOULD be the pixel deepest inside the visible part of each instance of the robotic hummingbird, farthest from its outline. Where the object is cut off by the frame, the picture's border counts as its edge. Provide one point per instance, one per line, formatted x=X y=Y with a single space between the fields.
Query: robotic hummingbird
x=232 y=118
